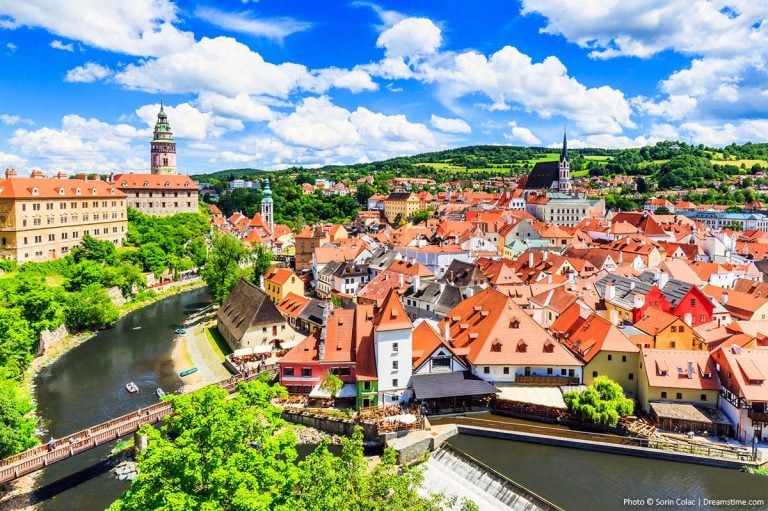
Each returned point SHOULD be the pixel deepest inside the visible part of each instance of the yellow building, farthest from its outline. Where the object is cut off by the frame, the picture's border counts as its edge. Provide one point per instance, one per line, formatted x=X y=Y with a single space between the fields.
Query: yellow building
x=279 y=282
x=605 y=351
x=677 y=376
x=43 y=219
x=401 y=203
x=668 y=332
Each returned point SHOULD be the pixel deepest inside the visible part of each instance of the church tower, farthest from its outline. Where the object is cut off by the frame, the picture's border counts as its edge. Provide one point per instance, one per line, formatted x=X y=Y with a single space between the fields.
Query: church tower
x=267 y=209
x=564 y=180
x=163 y=152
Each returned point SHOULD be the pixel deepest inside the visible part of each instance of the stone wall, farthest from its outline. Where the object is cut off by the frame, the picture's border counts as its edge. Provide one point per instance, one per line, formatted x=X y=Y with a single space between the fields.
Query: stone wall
x=332 y=425
x=50 y=338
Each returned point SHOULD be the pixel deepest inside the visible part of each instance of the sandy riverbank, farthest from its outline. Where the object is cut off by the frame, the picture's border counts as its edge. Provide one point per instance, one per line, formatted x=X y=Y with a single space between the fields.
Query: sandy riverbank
x=193 y=349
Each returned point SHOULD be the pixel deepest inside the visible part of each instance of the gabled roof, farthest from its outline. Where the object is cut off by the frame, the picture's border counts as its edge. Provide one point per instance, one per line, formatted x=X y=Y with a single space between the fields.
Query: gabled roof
x=53 y=188
x=680 y=369
x=655 y=320
x=544 y=173
x=642 y=220
x=292 y=305
x=497 y=331
x=278 y=275
x=392 y=315
x=333 y=343
x=597 y=334
x=557 y=299
x=426 y=341
x=247 y=306
x=750 y=370
x=154 y=182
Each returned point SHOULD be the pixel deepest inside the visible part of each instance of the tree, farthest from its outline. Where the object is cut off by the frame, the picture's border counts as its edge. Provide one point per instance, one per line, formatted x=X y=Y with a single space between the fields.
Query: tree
x=262 y=261
x=216 y=453
x=661 y=210
x=364 y=192
x=17 y=341
x=83 y=274
x=94 y=250
x=603 y=402
x=153 y=258
x=331 y=383
x=222 y=268
x=90 y=309
x=421 y=216
x=17 y=427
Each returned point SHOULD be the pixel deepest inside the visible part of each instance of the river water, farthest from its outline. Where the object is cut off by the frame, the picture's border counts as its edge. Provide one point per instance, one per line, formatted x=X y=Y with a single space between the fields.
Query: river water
x=86 y=386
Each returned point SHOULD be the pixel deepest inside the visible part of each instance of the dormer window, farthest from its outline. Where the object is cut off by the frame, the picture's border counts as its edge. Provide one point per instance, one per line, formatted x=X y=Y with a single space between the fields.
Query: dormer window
x=522 y=347
x=186 y=184
x=124 y=183
x=514 y=323
x=77 y=191
x=549 y=347
x=94 y=191
x=146 y=183
x=61 y=191
x=496 y=346
x=167 y=184
x=35 y=191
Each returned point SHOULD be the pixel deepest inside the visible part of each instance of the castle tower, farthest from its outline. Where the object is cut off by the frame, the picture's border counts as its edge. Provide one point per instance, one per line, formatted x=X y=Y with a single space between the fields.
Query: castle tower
x=564 y=181
x=267 y=208
x=163 y=152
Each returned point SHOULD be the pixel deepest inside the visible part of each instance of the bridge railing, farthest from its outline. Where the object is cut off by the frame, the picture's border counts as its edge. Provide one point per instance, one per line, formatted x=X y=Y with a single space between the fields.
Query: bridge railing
x=40 y=456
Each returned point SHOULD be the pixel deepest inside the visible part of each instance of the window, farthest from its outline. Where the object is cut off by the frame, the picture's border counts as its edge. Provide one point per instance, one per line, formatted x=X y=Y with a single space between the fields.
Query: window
x=344 y=371
x=610 y=357
x=395 y=365
x=623 y=358
x=506 y=370
x=673 y=329
x=562 y=372
x=663 y=395
x=693 y=302
x=631 y=376
x=703 y=397
x=679 y=395
x=594 y=374
x=486 y=370
x=288 y=371
x=395 y=347
x=306 y=372
x=703 y=318
x=366 y=385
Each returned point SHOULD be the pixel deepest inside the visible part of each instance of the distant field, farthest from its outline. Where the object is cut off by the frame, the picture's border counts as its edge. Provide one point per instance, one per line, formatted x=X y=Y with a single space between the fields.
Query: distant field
x=747 y=163
x=580 y=173
x=597 y=158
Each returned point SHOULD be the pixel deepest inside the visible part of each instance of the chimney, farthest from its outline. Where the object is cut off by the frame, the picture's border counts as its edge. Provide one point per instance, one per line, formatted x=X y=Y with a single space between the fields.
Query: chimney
x=663 y=279
x=690 y=369
x=11 y=172
x=400 y=275
x=544 y=255
x=639 y=301
x=261 y=282
x=610 y=291
x=442 y=287
x=632 y=285
x=724 y=298
x=657 y=275
x=621 y=257
x=415 y=283
x=447 y=330
x=470 y=292
x=614 y=315
x=688 y=319
x=549 y=278
x=530 y=259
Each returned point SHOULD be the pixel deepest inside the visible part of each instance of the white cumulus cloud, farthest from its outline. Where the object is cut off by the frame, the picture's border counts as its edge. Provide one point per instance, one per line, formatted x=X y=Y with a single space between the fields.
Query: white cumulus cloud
x=450 y=125
x=59 y=45
x=271 y=28
x=411 y=37
x=87 y=73
x=520 y=134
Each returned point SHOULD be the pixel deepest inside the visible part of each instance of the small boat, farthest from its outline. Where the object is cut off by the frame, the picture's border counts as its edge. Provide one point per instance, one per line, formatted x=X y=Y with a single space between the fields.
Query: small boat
x=137 y=328
x=160 y=392
x=180 y=331
x=187 y=372
x=131 y=387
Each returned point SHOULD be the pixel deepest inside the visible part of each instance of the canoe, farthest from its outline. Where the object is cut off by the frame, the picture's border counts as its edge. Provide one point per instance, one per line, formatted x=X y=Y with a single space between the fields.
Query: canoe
x=187 y=372
x=180 y=331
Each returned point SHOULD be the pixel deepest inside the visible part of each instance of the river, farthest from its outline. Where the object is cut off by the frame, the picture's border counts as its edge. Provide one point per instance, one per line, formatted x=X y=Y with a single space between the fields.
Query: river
x=86 y=386
x=579 y=480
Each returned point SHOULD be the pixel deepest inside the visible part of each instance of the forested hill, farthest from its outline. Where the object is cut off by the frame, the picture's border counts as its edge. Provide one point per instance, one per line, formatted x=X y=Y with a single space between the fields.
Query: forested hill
x=479 y=156
x=486 y=160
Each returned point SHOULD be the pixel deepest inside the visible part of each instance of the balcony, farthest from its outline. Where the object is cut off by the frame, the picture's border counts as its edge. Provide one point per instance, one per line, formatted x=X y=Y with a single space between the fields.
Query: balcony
x=758 y=416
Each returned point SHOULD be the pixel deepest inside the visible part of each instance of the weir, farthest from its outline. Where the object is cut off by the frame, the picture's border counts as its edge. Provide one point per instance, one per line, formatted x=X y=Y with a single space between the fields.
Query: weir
x=451 y=472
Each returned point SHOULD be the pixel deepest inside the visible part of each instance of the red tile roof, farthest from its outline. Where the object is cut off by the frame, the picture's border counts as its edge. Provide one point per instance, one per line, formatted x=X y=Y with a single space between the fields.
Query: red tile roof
x=392 y=315
x=154 y=182
x=669 y=368
x=33 y=188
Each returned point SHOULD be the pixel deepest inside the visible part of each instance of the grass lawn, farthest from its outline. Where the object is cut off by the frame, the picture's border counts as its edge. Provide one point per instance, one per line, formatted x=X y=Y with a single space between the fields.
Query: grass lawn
x=220 y=346
x=597 y=158
x=55 y=280
x=580 y=173
x=747 y=163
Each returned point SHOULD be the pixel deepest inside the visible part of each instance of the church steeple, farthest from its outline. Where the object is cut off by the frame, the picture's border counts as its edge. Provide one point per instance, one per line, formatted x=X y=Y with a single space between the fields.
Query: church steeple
x=163 y=147
x=564 y=179
x=564 y=151
x=267 y=208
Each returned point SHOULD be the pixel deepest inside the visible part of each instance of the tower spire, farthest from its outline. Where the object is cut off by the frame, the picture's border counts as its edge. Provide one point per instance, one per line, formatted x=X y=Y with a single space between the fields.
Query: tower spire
x=564 y=152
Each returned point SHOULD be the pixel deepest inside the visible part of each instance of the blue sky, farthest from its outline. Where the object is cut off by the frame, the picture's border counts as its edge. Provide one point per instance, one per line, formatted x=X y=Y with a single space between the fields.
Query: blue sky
x=276 y=83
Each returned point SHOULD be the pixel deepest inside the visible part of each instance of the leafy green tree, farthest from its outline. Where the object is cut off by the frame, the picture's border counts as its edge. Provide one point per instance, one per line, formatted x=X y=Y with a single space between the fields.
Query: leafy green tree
x=222 y=268
x=662 y=210
x=262 y=261
x=331 y=383
x=90 y=309
x=17 y=427
x=94 y=250
x=364 y=192
x=421 y=216
x=153 y=258
x=17 y=341
x=83 y=274
x=603 y=402
x=224 y=454
x=125 y=276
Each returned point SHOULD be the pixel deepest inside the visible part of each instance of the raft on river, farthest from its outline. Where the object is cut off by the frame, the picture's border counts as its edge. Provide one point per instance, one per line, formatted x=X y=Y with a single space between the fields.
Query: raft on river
x=187 y=372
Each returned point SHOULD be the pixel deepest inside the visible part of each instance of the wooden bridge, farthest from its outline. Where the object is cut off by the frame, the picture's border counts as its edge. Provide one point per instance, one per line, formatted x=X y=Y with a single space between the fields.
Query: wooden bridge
x=41 y=456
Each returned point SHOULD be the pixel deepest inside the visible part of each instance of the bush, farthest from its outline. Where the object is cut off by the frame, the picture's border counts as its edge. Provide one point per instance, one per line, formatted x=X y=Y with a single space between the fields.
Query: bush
x=603 y=402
